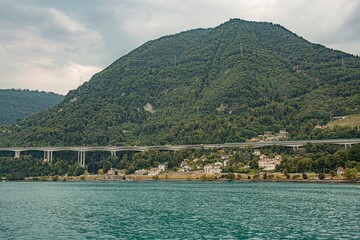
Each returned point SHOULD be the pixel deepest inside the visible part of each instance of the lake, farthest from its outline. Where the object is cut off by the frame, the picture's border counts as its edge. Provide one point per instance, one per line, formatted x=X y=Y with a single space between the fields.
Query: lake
x=178 y=210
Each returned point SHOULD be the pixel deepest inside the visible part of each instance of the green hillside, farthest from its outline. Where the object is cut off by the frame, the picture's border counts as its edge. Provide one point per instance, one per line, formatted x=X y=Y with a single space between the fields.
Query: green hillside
x=223 y=84
x=345 y=121
x=19 y=104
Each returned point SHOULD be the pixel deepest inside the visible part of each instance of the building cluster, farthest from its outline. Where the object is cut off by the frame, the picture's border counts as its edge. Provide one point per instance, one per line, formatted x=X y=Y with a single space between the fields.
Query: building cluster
x=270 y=136
x=267 y=163
x=153 y=171
x=215 y=168
x=222 y=160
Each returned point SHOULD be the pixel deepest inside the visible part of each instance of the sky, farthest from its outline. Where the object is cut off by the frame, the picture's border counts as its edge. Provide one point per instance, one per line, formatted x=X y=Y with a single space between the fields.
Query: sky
x=57 y=45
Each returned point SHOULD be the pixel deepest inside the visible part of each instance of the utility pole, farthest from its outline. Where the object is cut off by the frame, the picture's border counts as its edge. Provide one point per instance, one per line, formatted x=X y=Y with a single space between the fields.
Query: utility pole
x=331 y=116
x=241 y=51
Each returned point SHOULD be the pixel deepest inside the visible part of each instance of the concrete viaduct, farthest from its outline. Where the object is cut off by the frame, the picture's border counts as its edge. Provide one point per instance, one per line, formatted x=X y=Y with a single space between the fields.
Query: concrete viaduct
x=81 y=150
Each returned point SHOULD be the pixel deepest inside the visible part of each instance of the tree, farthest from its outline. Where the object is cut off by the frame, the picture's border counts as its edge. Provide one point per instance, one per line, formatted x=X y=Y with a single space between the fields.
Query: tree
x=350 y=173
x=321 y=176
x=354 y=153
x=332 y=174
x=287 y=175
x=93 y=167
x=15 y=176
x=79 y=170
x=230 y=176
x=130 y=169
x=254 y=164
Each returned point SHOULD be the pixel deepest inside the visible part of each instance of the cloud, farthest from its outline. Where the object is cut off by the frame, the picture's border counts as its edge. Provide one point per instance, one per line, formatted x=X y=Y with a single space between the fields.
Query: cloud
x=44 y=74
x=51 y=53
x=48 y=45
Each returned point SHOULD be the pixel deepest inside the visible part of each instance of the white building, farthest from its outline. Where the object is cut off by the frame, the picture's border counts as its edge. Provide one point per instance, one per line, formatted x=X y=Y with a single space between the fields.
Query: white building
x=154 y=171
x=163 y=167
x=184 y=167
x=269 y=164
x=141 y=172
x=215 y=168
x=340 y=170
x=209 y=169
x=256 y=152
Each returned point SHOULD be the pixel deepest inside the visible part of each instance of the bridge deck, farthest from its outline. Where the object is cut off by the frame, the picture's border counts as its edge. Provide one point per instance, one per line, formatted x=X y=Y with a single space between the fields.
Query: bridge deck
x=295 y=143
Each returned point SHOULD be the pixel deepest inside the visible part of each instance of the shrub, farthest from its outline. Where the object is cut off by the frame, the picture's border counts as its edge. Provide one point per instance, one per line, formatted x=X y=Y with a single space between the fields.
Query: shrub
x=265 y=176
x=230 y=176
x=79 y=170
x=271 y=176
x=295 y=177
x=55 y=178
x=278 y=177
x=304 y=176
x=256 y=176
x=207 y=177
x=350 y=173
x=321 y=176
x=155 y=177
x=82 y=178
x=15 y=176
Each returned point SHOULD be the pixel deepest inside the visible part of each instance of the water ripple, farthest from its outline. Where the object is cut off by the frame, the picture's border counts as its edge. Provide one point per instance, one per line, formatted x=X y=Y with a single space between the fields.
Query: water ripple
x=168 y=210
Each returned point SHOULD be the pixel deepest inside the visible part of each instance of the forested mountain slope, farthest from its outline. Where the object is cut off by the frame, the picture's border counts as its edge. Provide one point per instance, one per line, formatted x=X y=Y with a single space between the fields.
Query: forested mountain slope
x=223 y=84
x=18 y=104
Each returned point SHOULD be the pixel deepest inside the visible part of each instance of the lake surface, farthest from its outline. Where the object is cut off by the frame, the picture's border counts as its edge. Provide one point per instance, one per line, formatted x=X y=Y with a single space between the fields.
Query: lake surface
x=178 y=210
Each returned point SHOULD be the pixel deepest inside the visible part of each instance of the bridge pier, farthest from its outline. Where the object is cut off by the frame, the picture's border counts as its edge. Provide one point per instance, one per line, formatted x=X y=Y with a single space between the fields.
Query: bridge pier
x=347 y=145
x=48 y=156
x=113 y=153
x=17 y=154
x=81 y=158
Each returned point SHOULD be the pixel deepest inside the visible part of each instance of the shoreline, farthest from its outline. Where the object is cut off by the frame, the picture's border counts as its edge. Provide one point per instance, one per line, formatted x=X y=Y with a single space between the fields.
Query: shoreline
x=78 y=179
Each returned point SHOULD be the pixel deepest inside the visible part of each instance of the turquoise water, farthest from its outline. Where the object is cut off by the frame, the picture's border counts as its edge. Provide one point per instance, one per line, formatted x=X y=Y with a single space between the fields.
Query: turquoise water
x=178 y=210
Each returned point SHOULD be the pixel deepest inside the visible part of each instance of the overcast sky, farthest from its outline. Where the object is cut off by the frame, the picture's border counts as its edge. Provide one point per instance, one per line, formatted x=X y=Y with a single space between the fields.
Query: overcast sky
x=55 y=45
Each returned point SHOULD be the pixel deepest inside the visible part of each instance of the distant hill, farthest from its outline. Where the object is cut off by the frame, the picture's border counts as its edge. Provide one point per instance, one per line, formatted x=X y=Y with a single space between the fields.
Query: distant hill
x=19 y=104
x=222 y=84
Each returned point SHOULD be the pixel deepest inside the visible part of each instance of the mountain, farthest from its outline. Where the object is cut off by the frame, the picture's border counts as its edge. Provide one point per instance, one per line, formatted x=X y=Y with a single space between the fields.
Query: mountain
x=17 y=104
x=222 y=84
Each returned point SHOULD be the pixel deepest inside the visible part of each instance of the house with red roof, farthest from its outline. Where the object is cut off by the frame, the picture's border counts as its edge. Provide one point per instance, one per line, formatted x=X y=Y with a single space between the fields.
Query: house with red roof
x=340 y=170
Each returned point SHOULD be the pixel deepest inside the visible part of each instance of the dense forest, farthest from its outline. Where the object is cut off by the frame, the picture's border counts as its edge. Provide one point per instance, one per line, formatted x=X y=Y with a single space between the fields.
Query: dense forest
x=18 y=104
x=216 y=85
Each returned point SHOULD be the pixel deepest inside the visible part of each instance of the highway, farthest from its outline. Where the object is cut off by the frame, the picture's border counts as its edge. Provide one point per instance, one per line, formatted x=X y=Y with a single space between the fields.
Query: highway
x=294 y=143
x=81 y=150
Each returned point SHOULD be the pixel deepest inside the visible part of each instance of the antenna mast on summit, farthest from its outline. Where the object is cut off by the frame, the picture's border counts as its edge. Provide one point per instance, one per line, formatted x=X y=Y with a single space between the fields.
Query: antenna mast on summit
x=80 y=81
